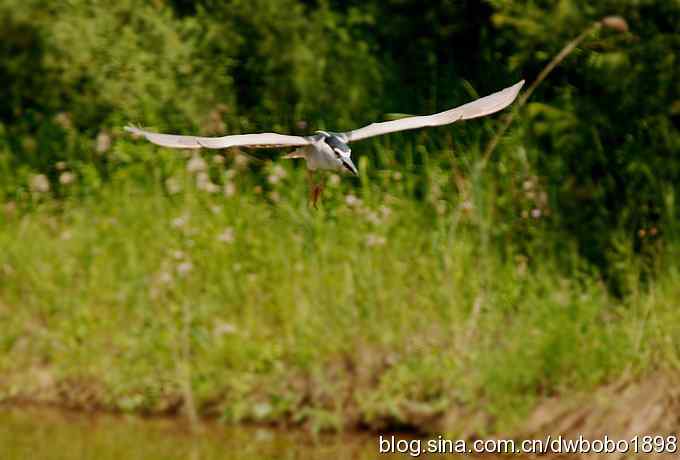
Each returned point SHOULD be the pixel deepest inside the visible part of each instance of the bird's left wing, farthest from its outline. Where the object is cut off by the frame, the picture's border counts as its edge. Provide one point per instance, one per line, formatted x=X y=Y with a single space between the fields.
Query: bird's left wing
x=477 y=108
x=259 y=140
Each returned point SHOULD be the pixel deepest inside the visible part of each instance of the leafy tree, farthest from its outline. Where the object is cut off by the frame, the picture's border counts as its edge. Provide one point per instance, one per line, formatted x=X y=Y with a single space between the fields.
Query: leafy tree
x=606 y=123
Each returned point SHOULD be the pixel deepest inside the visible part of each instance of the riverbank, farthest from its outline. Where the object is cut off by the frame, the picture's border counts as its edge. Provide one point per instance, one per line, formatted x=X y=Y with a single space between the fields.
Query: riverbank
x=375 y=312
x=620 y=410
x=623 y=414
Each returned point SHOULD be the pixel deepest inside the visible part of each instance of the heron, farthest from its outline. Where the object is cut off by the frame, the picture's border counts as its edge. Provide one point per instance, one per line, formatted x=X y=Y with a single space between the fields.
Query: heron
x=330 y=151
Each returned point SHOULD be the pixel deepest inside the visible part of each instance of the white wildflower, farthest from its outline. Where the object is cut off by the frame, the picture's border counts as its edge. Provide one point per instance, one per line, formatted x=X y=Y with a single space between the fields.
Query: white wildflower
x=276 y=175
x=165 y=277
x=352 y=200
x=373 y=217
x=179 y=222
x=223 y=328
x=279 y=171
x=196 y=164
x=173 y=185
x=262 y=410
x=39 y=183
x=229 y=189
x=240 y=161
x=375 y=240
x=103 y=142
x=204 y=183
x=67 y=178
x=63 y=119
x=227 y=236
x=184 y=268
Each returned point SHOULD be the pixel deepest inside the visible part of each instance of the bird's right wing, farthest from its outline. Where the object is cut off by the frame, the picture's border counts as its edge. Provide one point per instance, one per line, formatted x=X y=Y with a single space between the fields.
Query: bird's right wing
x=477 y=108
x=260 y=140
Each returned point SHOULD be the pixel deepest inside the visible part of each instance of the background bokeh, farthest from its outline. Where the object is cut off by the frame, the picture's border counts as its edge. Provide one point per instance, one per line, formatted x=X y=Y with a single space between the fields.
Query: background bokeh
x=602 y=131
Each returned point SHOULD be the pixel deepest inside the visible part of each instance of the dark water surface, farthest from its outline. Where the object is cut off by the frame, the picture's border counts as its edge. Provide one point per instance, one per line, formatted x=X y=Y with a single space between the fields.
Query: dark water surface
x=29 y=433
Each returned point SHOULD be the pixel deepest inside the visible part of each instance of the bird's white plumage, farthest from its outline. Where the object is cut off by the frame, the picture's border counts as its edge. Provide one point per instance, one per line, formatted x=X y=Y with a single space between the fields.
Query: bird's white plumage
x=477 y=108
x=262 y=140
x=329 y=151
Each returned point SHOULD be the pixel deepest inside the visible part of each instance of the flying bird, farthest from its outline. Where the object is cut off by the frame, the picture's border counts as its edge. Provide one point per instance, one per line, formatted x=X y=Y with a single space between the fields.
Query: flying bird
x=327 y=150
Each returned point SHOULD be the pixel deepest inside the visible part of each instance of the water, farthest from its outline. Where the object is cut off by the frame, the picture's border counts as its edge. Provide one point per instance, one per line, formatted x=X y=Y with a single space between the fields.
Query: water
x=37 y=434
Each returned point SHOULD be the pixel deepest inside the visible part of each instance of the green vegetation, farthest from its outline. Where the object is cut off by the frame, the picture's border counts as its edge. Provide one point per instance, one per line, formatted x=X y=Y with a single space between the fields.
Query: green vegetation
x=147 y=280
x=377 y=308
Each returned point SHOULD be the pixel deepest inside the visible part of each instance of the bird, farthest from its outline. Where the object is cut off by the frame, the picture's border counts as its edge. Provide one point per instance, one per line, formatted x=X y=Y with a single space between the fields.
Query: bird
x=330 y=151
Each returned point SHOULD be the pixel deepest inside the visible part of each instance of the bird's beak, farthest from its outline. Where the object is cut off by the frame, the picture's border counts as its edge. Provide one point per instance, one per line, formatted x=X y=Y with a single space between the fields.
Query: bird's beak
x=349 y=165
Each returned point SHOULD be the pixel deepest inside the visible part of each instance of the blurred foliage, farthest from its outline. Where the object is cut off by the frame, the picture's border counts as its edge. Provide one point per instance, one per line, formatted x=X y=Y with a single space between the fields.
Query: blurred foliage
x=376 y=310
x=605 y=126
x=600 y=136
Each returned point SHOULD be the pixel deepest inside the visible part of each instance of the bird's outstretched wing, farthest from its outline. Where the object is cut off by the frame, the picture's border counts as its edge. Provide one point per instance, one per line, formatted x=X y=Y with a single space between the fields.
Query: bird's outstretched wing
x=477 y=108
x=260 y=140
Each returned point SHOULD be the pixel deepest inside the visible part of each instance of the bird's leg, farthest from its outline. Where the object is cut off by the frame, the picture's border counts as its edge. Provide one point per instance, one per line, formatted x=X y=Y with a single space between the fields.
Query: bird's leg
x=318 y=190
x=314 y=189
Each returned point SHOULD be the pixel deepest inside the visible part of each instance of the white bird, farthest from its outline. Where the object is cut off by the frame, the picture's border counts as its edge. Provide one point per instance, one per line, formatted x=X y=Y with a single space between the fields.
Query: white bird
x=328 y=150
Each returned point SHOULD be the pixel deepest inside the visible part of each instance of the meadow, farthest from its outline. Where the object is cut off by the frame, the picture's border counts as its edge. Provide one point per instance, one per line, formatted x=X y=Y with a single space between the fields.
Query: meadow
x=217 y=291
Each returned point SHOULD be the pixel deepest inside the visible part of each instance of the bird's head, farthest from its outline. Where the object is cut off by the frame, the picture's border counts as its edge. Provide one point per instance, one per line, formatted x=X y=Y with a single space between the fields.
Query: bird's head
x=341 y=151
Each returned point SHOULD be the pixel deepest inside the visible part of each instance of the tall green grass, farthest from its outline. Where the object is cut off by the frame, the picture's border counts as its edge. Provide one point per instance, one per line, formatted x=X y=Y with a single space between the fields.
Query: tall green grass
x=412 y=290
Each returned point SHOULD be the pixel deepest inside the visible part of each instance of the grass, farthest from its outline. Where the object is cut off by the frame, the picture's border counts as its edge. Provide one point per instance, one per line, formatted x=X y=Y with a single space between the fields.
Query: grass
x=392 y=304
